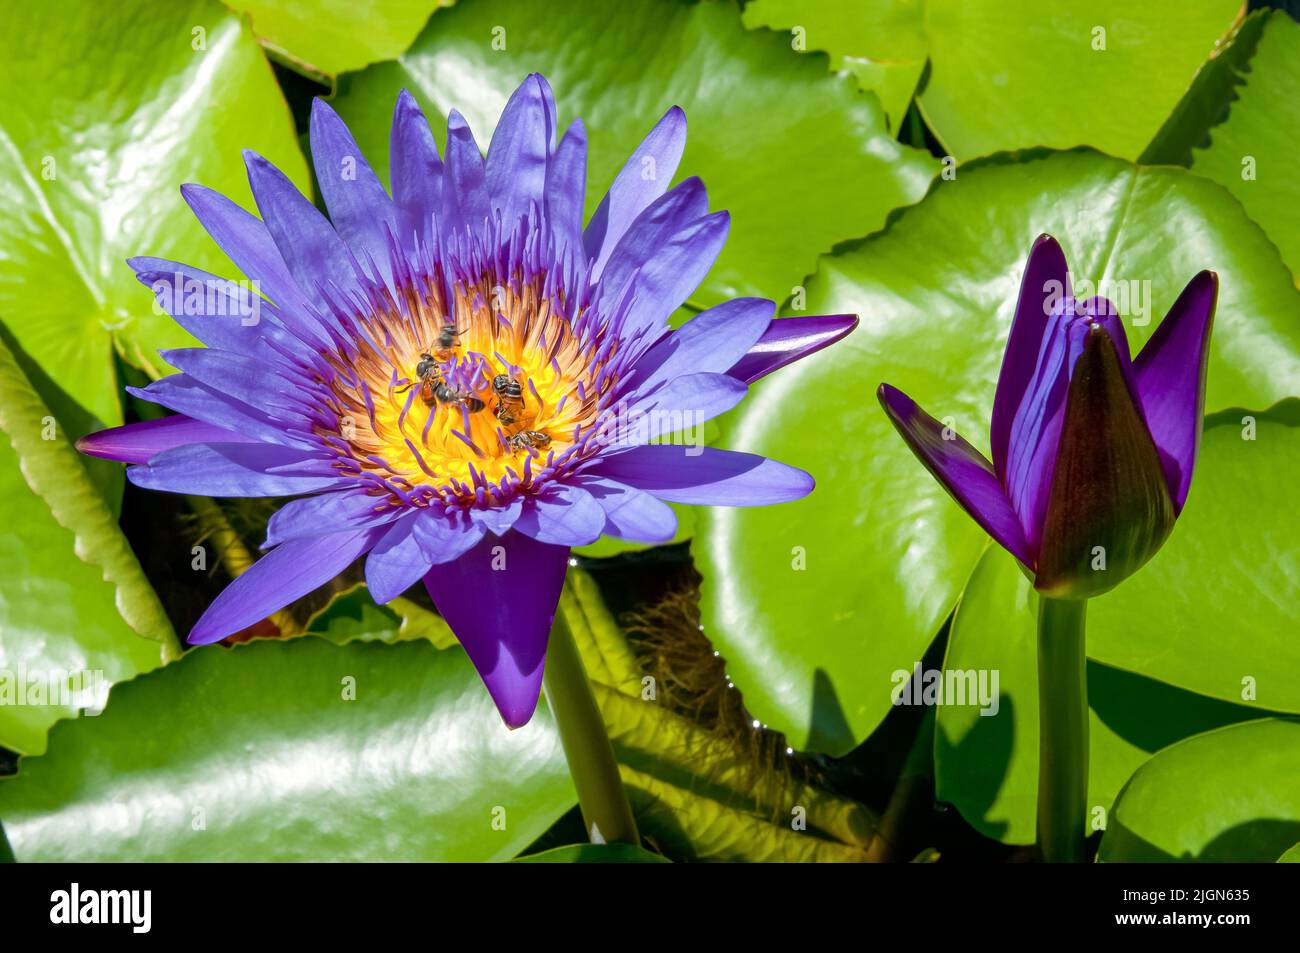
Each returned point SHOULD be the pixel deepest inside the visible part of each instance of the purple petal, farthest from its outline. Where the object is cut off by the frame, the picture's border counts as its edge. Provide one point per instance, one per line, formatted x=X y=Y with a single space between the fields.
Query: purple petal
x=1036 y=431
x=566 y=187
x=1046 y=282
x=498 y=519
x=515 y=170
x=1170 y=374
x=286 y=573
x=631 y=513
x=705 y=476
x=665 y=254
x=184 y=395
x=500 y=598
x=445 y=536
x=684 y=404
x=959 y=468
x=359 y=207
x=787 y=340
x=643 y=178
x=326 y=513
x=397 y=561
x=248 y=243
x=219 y=312
x=137 y=443
x=1109 y=493
x=562 y=515
x=464 y=193
x=316 y=256
x=231 y=469
x=415 y=170
x=280 y=395
x=713 y=340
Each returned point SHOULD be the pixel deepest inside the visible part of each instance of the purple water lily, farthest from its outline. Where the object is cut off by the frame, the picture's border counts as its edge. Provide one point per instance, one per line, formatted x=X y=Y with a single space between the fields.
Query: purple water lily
x=1092 y=453
x=454 y=381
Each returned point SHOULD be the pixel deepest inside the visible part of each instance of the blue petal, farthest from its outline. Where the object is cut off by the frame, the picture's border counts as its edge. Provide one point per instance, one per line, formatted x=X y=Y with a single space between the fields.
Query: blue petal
x=665 y=254
x=562 y=515
x=316 y=256
x=359 y=207
x=631 y=513
x=230 y=469
x=464 y=193
x=248 y=243
x=282 y=395
x=286 y=573
x=643 y=178
x=684 y=404
x=499 y=599
x=397 y=561
x=566 y=188
x=219 y=312
x=326 y=513
x=415 y=170
x=184 y=395
x=705 y=476
x=515 y=171
x=713 y=340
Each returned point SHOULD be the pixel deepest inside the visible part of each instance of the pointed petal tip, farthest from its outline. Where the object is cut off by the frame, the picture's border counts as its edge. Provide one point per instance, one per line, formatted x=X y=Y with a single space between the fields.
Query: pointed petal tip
x=204 y=634
x=321 y=111
x=889 y=396
x=406 y=106
x=518 y=713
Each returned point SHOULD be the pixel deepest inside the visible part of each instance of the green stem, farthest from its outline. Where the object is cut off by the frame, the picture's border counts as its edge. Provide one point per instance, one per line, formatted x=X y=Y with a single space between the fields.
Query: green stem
x=1062 y=730
x=605 y=810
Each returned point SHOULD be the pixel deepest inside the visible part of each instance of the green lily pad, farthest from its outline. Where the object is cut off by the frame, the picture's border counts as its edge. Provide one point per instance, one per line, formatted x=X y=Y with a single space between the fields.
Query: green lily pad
x=1251 y=152
x=1214 y=611
x=800 y=159
x=881 y=42
x=1292 y=856
x=987 y=764
x=884 y=551
x=326 y=37
x=265 y=758
x=76 y=611
x=1226 y=795
x=594 y=854
x=1010 y=74
x=146 y=99
x=1207 y=101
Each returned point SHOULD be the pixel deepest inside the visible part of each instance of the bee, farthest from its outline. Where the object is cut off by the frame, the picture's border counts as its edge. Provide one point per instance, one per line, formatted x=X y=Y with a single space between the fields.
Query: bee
x=529 y=440
x=448 y=339
x=510 y=398
x=447 y=395
x=426 y=375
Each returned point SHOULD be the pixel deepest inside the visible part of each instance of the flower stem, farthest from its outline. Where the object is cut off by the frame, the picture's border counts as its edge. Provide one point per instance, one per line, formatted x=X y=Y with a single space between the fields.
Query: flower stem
x=605 y=809
x=1062 y=730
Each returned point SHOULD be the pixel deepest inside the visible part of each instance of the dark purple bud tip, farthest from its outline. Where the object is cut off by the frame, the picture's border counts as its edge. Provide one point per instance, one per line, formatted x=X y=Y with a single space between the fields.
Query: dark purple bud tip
x=1109 y=508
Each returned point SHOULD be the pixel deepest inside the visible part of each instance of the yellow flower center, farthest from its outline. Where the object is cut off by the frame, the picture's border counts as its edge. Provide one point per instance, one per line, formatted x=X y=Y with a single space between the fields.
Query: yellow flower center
x=449 y=402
